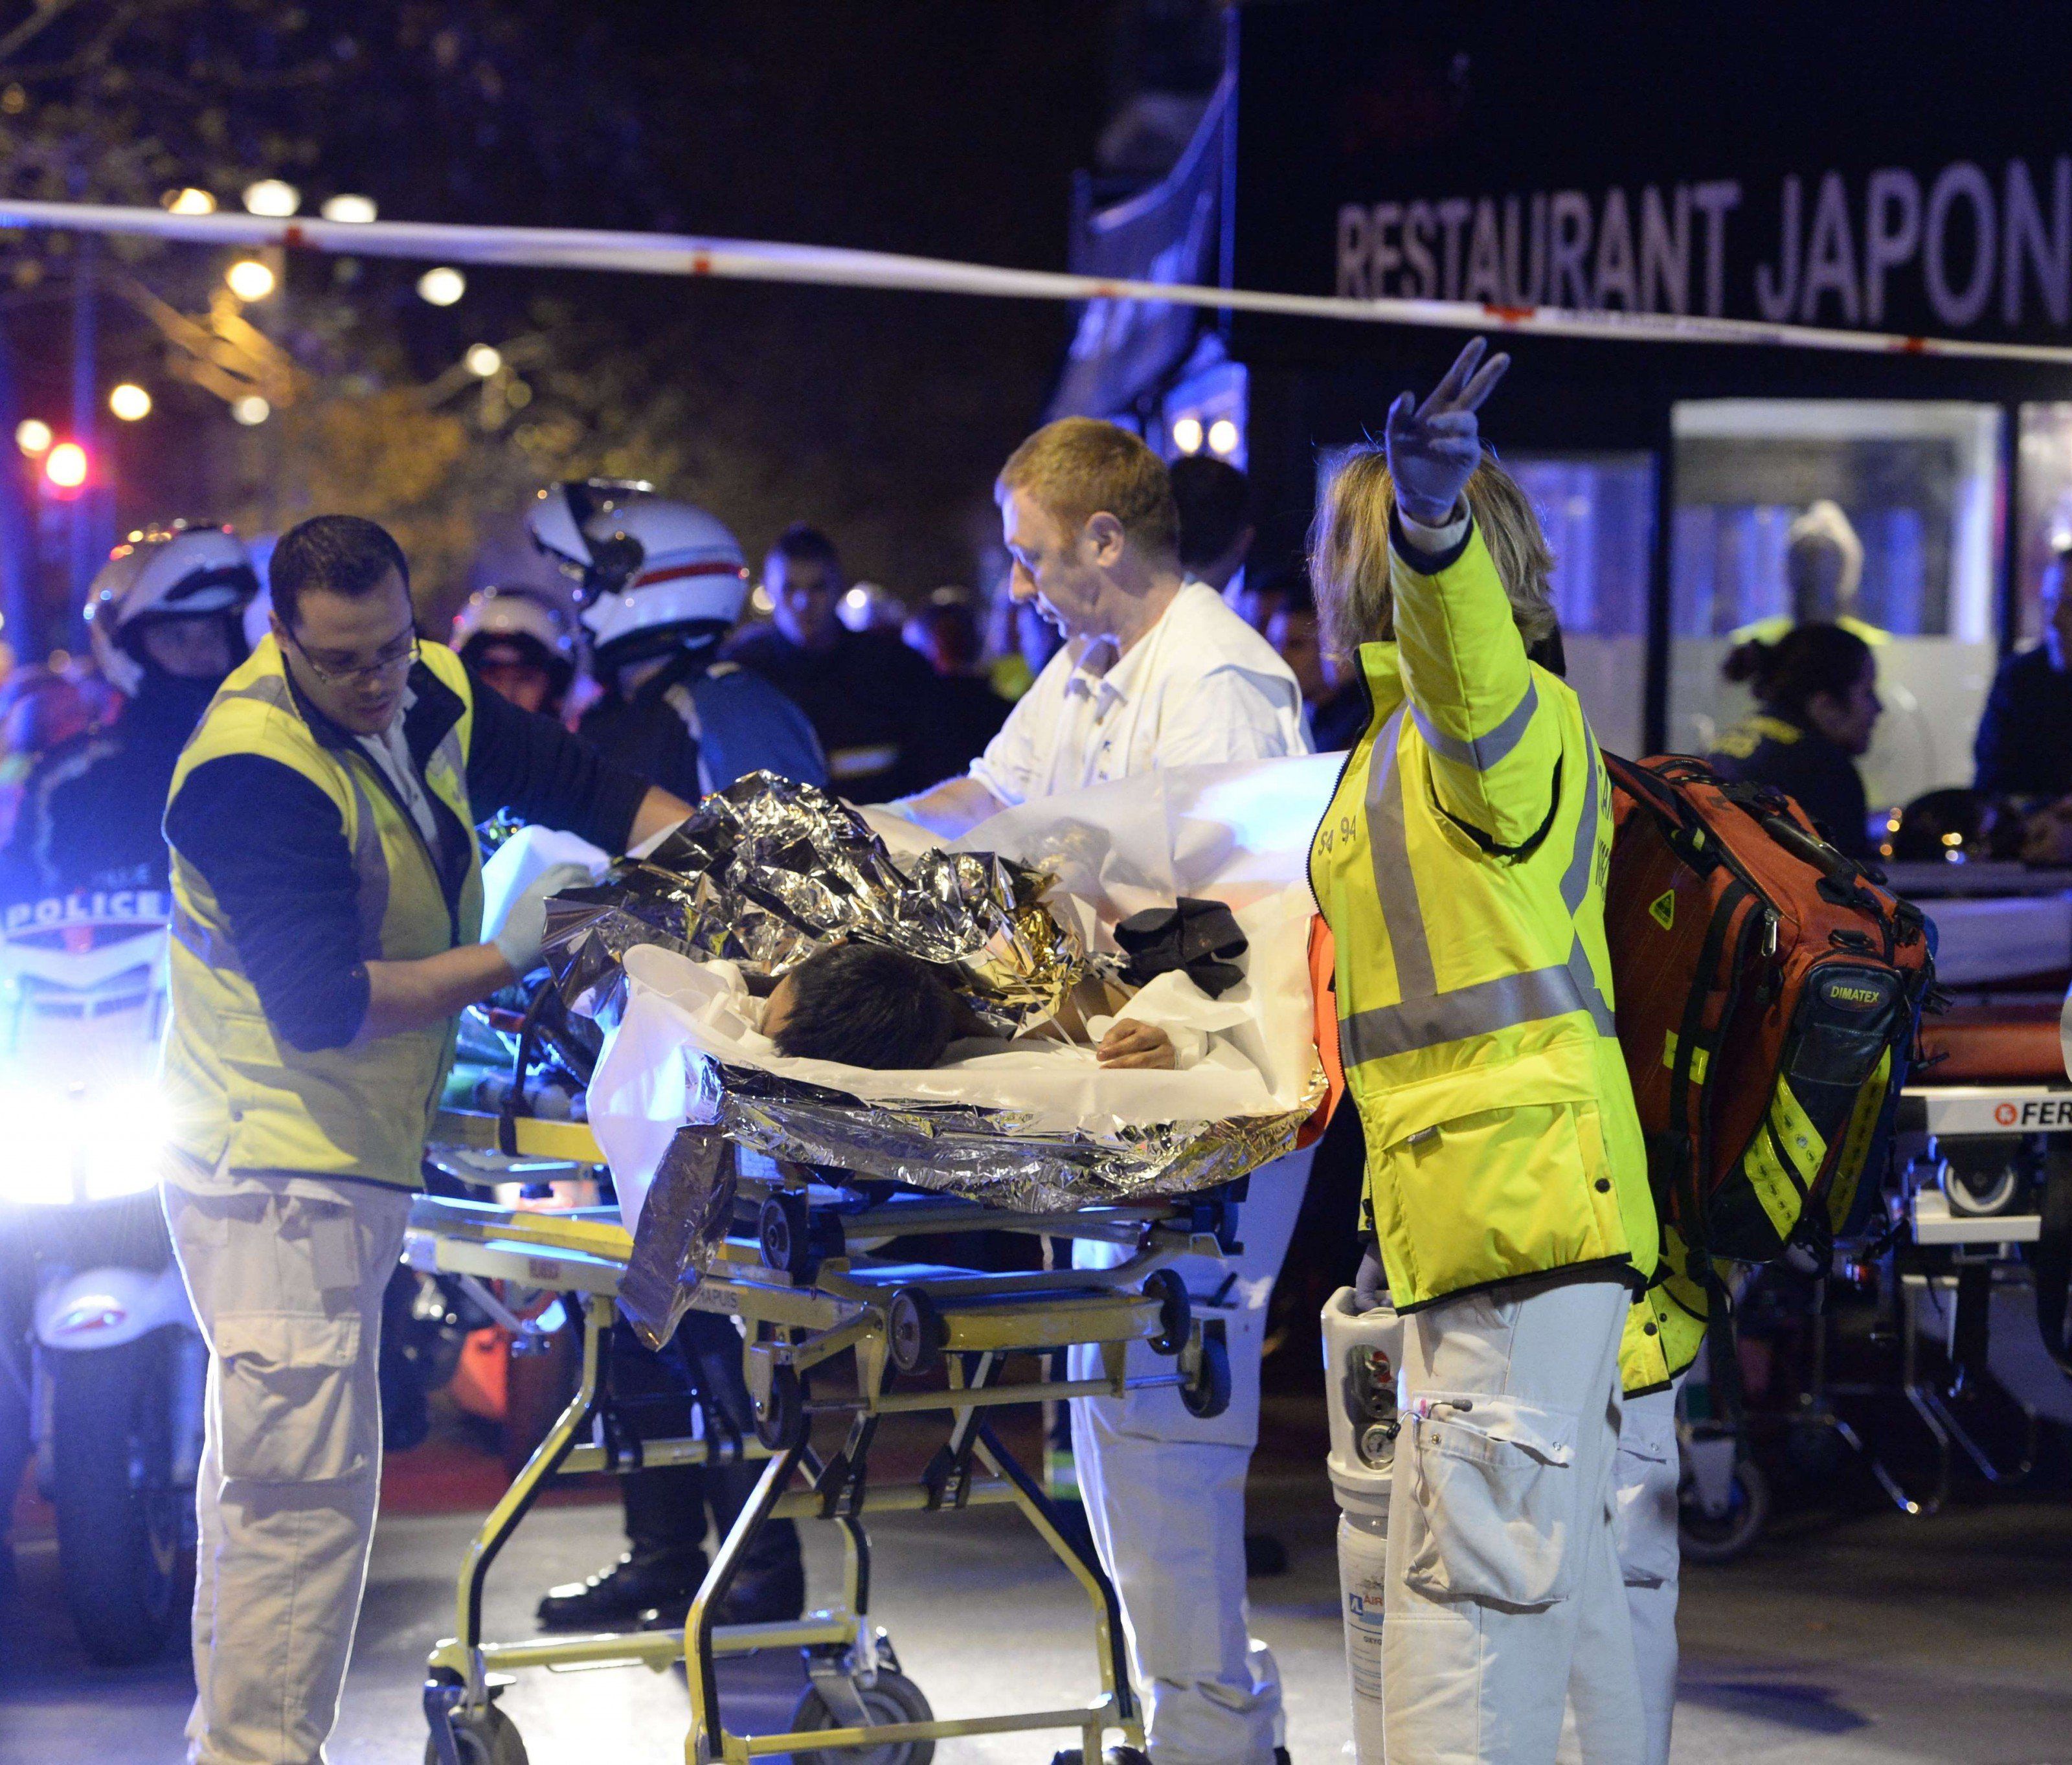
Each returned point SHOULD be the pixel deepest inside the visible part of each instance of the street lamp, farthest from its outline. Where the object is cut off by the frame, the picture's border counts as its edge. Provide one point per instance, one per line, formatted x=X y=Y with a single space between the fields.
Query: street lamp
x=33 y=437
x=441 y=287
x=355 y=211
x=249 y=279
x=273 y=197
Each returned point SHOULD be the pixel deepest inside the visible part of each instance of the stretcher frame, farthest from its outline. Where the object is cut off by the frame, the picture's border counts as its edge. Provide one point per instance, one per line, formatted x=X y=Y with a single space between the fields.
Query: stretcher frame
x=1952 y=1240
x=807 y=1288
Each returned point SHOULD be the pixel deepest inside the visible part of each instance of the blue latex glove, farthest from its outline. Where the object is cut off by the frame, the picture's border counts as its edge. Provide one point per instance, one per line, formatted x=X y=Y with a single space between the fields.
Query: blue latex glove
x=1370 y=1285
x=1434 y=447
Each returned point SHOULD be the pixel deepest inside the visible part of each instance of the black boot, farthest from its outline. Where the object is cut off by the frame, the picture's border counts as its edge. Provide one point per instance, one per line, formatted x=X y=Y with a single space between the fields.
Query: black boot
x=620 y=1597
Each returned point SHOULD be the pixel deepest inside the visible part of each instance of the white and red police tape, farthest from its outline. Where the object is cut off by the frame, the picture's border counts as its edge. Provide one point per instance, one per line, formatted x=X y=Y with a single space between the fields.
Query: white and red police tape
x=742 y=260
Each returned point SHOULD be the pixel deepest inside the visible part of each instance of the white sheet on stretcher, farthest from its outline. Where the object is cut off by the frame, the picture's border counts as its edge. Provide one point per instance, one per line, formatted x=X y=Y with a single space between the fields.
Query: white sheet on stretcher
x=1240 y=834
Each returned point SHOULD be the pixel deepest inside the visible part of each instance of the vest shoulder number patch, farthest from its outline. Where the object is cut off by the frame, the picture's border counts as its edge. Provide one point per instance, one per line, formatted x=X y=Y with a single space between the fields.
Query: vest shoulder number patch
x=1663 y=910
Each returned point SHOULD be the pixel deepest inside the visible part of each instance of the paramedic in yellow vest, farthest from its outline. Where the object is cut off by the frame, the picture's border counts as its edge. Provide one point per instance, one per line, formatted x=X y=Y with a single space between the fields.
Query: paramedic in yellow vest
x=327 y=929
x=1461 y=865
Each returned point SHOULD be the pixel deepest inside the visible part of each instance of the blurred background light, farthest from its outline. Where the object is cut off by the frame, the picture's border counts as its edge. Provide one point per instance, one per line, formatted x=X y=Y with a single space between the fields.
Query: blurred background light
x=249 y=279
x=356 y=210
x=484 y=360
x=32 y=436
x=1187 y=434
x=251 y=410
x=189 y=201
x=441 y=287
x=65 y=465
x=1222 y=436
x=130 y=402
x=272 y=197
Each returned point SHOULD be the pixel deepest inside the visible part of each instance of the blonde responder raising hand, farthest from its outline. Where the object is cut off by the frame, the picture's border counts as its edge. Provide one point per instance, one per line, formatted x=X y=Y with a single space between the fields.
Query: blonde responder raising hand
x=1460 y=865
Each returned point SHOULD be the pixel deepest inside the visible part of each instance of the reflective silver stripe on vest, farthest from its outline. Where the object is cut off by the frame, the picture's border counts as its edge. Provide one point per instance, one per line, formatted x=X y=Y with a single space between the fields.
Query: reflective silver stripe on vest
x=1388 y=843
x=1428 y=1017
x=1484 y=752
x=372 y=865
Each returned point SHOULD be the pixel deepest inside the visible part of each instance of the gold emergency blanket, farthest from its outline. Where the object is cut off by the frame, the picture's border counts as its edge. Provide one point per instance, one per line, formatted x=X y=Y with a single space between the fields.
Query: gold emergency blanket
x=768 y=870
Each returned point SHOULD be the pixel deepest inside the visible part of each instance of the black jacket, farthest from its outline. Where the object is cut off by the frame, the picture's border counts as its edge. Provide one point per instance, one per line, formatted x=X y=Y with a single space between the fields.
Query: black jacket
x=873 y=702
x=1806 y=766
x=91 y=808
x=2024 y=740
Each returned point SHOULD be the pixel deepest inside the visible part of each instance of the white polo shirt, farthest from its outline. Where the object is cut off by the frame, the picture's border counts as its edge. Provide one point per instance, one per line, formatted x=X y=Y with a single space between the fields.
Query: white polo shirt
x=1199 y=688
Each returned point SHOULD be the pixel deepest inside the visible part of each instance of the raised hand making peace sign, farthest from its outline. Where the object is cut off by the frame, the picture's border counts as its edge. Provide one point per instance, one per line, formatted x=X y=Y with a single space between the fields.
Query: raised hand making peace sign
x=1434 y=447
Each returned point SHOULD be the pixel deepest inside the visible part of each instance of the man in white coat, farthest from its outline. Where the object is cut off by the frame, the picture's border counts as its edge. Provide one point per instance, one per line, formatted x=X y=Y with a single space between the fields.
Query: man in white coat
x=1155 y=672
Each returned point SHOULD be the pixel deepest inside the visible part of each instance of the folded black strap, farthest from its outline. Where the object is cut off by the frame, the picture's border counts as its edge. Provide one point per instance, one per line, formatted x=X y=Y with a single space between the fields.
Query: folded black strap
x=1201 y=938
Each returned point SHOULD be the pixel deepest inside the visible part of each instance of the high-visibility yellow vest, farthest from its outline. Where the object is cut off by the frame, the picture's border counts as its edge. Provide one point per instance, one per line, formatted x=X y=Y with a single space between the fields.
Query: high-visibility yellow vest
x=1460 y=866
x=362 y=1110
x=1665 y=1327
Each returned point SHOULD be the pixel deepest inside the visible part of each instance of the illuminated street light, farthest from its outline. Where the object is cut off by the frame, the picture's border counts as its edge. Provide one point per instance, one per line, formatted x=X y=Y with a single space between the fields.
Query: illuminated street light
x=189 y=201
x=65 y=466
x=356 y=210
x=33 y=437
x=1187 y=434
x=249 y=279
x=273 y=197
x=483 y=360
x=1222 y=436
x=251 y=410
x=441 y=287
x=130 y=402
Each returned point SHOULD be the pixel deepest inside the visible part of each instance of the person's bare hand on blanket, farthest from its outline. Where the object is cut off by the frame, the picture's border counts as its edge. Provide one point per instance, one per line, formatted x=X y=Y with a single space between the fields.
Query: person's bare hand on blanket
x=1130 y=1044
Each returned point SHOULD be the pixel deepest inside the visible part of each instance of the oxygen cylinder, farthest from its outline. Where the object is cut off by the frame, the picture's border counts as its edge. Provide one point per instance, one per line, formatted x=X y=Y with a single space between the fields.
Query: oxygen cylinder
x=1362 y=1354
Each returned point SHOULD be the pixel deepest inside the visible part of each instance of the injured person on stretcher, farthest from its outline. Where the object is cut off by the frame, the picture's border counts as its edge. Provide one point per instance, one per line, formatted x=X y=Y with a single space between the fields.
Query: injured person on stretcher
x=865 y=1005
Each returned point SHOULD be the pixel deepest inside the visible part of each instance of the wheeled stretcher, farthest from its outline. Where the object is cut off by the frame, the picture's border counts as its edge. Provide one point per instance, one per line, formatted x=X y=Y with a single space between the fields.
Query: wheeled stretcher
x=1985 y=1140
x=831 y=1328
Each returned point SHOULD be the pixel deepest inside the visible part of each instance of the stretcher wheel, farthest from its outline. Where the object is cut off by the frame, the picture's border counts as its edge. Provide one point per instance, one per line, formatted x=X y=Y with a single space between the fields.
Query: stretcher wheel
x=893 y=1698
x=780 y=1422
x=1176 y=1311
x=488 y=1736
x=781 y=1233
x=916 y=1331
x=1704 y=1539
x=1205 y=1390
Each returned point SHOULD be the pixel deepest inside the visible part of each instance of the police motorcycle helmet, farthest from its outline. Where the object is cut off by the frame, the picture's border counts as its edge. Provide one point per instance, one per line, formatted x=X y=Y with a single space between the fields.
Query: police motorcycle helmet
x=652 y=574
x=178 y=571
x=524 y=618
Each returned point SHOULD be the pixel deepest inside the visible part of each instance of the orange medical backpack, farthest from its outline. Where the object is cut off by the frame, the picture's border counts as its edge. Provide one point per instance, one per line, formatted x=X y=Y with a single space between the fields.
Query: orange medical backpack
x=1769 y=992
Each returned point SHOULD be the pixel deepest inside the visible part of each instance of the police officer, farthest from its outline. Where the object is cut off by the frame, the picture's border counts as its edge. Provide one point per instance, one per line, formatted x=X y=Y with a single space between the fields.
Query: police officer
x=521 y=644
x=327 y=905
x=661 y=583
x=163 y=618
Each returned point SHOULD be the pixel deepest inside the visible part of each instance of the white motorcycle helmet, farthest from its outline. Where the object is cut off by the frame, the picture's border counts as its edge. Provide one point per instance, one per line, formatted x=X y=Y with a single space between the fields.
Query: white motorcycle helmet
x=173 y=572
x=526 y=616
x=652 y=572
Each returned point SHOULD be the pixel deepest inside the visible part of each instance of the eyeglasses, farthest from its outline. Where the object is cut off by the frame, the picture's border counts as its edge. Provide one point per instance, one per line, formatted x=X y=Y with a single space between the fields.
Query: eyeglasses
x=400 y=654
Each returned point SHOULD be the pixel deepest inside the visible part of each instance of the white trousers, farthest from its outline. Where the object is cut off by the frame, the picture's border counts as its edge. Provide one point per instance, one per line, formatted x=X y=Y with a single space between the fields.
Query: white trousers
x=1504 y=1598
x=1165 y=1499
x=287 y=1287
x=1650 y=1558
